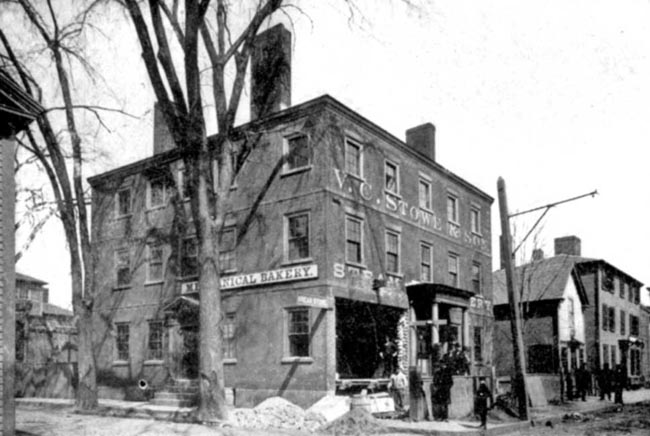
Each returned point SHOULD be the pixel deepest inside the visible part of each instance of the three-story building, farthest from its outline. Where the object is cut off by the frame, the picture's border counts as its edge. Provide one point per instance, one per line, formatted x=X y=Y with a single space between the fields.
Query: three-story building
x=340 y=240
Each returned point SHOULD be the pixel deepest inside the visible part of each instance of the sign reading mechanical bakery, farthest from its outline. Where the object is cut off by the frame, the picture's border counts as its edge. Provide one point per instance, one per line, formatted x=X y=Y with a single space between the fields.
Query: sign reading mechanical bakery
x=426 y=219
x=293 y=273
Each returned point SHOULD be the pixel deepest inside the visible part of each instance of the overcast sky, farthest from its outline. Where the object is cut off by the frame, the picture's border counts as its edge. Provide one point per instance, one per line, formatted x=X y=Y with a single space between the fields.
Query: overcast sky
x=552 y=96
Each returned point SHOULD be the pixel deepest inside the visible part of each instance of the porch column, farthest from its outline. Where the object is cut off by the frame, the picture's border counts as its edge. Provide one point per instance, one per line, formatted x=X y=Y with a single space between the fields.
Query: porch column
x=466 y=337
x=413 y=338
x=435 y=333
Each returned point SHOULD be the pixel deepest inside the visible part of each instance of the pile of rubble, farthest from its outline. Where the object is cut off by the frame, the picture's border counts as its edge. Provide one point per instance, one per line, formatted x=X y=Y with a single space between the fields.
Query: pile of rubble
x=277 y=412
x=357 y=422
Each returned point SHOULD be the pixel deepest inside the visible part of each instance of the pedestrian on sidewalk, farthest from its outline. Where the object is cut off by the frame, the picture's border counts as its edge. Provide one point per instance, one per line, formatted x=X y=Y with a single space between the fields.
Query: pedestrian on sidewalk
x=605 y=382
x=582 y=382
x=620 y=380
x=397 y=387
x=483 y=401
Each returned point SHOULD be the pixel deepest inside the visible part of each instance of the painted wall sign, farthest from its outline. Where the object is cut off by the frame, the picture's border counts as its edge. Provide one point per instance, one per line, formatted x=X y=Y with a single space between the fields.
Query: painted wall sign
x=426 y=219
x=293 y=273
x=480 y=303
x=364 y=277
x=318 y=302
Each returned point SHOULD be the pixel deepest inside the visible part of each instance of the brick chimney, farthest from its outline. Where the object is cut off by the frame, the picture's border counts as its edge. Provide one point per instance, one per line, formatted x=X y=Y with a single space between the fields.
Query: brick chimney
x=271 y=72
x=568 y=245
x=423 y=139
x=162 y=137
x=538 y=254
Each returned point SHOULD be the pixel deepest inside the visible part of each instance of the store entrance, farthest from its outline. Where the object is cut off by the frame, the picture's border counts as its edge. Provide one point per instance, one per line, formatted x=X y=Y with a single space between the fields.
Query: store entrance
x=366 y=339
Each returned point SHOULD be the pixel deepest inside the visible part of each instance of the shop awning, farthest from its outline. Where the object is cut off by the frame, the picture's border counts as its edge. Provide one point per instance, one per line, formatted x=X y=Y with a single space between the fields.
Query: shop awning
x=439 y=293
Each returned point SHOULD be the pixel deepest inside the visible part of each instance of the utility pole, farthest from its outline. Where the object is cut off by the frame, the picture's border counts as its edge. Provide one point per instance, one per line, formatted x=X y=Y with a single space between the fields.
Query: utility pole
x=519 y=382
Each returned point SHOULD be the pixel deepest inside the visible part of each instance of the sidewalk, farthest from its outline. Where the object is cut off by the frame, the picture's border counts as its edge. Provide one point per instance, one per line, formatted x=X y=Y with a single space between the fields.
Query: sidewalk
x=554 y=414
x=539 y=416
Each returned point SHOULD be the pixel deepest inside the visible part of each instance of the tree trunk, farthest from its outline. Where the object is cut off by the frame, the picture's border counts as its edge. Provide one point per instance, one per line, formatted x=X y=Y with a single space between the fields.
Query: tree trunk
x=212 y=405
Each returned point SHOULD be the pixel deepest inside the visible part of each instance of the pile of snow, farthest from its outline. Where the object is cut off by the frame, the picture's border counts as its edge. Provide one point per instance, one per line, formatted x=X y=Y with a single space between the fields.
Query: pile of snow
x=276 y=412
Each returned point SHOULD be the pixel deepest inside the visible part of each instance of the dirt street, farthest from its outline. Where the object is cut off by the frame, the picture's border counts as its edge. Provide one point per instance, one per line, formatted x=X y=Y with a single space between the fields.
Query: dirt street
x=630 y=420
x=44 y=422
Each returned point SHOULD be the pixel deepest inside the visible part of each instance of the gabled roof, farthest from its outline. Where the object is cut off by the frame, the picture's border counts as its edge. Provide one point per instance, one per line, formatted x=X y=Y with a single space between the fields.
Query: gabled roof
x=541 y=280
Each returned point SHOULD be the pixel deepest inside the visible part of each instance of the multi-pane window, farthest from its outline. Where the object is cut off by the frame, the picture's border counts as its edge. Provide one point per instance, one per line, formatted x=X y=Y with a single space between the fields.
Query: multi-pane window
x=122 y=268
x=122 y=341
x=626 y=290
x=229 y=336
x=605 y=317
x=227 y=243
x=621 y=288
x=353 y=240
x=476 y=277
x=123 y=202
x=634 y=325
x=475 y=220
x=391 y=176
x=298 y=236
x=353 y=159
x=478 y=344
x=424 y=194
x=298 y=329
x=155 y=342
x=392 y=252
x=452 y=269
x=612 y=319
x=156 y=193
x=637 y=295
x=452 y=209
x=608 y=282
x=189 y=264
x=154 y=262
x=425 y=263
x=623 y=317
x=298 y=153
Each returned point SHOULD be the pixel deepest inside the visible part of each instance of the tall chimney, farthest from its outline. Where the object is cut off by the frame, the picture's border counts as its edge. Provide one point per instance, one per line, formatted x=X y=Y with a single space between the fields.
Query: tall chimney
x=568 y=245
x=423 y=139
x=162 y=137
x=271 y=72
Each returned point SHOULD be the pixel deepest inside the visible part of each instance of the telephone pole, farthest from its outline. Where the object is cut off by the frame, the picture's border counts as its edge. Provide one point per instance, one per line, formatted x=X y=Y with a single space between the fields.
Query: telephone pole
x=519 y=381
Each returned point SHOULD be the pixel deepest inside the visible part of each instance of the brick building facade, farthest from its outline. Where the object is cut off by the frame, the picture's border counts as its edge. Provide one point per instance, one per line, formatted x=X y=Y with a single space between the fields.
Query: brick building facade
x=339 y=237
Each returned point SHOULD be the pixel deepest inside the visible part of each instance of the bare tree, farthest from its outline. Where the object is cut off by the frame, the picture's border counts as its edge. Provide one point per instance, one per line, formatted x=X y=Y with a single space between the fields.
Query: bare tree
x=59 y=150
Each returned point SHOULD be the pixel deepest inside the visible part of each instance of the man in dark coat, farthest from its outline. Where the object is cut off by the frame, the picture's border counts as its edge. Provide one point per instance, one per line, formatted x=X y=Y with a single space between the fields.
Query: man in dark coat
x=605 y=382
x=441 y=387
x=620 y=380
x=483 y=402
x=582 y=382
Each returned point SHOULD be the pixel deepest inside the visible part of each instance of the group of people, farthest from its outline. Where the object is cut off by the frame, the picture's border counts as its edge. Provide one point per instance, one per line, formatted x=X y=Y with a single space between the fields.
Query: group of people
x=578 y=383
x=612 y=380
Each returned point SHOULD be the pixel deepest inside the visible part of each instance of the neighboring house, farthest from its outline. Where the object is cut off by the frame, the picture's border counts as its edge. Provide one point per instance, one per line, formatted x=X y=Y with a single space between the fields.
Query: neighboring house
x=339 y=236
x=553 y=300
x=612 y=318
x=17 y=110
x=644 y=336
x=46 y=343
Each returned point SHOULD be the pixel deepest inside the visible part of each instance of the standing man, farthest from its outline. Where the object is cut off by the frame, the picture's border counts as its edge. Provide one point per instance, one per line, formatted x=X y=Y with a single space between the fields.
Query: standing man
x=397 y=386
x=605 y=382
x=620 y=380
x=582 y=382
x=483 y=401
